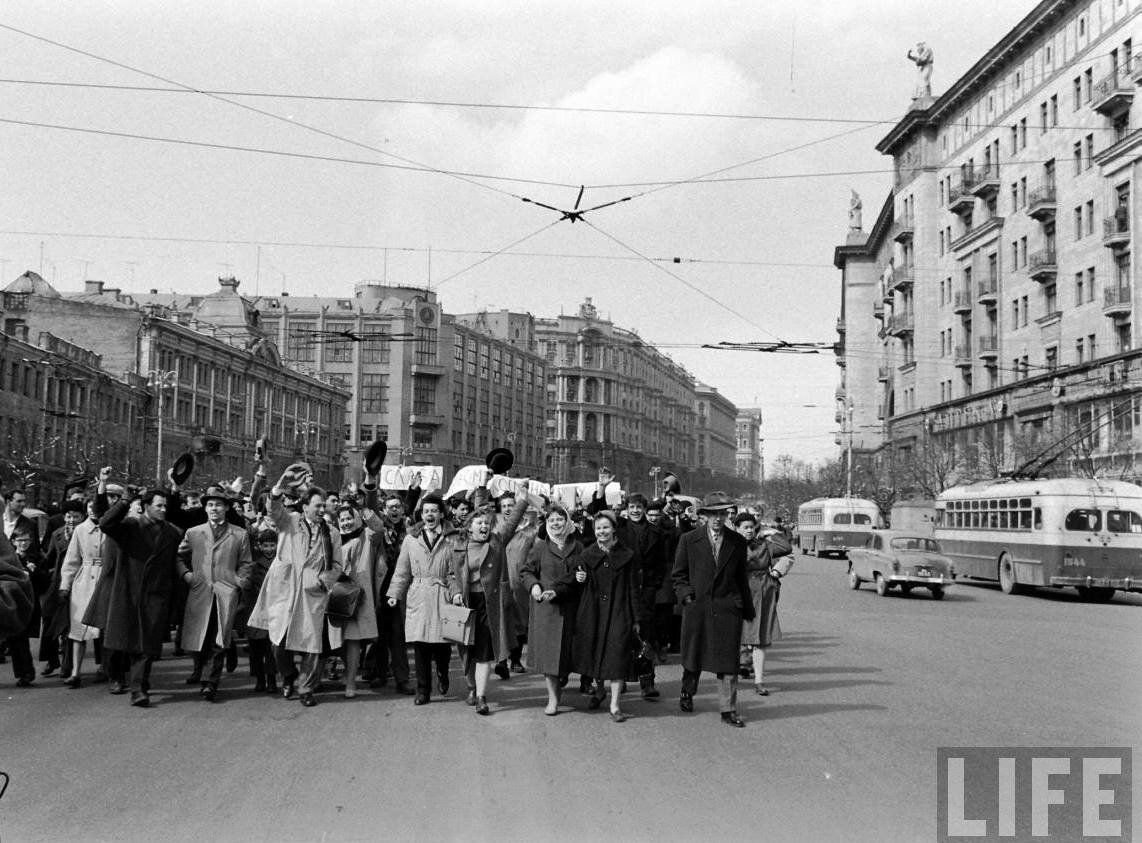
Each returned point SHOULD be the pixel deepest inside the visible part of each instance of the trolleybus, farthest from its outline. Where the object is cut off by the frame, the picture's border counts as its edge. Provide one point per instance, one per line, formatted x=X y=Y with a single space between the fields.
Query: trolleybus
x=827 y=526
x=1059 y=532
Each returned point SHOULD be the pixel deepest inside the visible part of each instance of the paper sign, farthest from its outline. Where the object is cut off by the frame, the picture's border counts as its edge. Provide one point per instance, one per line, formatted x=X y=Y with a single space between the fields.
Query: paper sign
x=467 y=478
x=400 y=476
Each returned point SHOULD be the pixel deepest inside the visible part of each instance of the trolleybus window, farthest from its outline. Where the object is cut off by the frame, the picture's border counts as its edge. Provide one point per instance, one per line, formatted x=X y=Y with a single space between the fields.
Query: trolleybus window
x=1123 y=521
x=842 y=518
x=1083 y=520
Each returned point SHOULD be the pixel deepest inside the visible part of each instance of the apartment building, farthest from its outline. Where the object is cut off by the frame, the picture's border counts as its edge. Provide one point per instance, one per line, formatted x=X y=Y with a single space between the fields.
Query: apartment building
x=715 y=432
x=749 y=456
x=1007 y=316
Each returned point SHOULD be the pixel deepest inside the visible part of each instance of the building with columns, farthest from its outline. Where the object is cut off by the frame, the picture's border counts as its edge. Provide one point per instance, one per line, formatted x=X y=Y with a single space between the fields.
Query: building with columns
x=211 y=368
x=1005 y=325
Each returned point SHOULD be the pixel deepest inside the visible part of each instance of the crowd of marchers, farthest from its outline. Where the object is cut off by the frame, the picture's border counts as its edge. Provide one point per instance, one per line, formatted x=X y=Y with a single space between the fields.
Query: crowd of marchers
x=604 y=593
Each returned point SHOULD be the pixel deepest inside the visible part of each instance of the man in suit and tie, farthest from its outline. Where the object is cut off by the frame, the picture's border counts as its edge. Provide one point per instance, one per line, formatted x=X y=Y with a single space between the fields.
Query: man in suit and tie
x=712 y=584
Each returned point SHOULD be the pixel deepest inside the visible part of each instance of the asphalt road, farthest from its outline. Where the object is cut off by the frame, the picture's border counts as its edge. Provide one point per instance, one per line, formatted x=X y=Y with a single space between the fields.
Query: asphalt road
x=865 y=689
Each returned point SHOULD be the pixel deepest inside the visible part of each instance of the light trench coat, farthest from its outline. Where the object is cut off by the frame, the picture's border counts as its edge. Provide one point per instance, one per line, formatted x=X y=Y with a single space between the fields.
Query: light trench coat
x=365 y=563
x=291 y=604
x=222 y=567
x=82 y=568
x=421 y=580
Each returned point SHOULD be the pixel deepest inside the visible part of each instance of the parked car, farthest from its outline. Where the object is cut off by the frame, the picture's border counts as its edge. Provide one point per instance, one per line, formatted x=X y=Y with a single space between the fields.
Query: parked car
x=892 y=558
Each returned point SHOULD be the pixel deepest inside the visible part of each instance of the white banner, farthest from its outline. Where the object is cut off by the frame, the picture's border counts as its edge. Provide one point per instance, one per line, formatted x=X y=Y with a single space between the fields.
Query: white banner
x=400 y=476
x=574 y=495
x=467 y=478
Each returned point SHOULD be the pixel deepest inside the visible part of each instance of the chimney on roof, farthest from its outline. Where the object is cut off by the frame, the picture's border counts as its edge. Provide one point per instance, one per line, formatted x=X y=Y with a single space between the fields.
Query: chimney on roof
x=230 y=284
x=285 y=294
x=112 y=291
x=93 y=287
x=154 y=292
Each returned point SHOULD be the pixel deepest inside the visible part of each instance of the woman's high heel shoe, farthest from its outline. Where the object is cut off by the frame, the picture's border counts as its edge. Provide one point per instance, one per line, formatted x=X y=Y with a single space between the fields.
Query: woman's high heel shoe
x=482 y=705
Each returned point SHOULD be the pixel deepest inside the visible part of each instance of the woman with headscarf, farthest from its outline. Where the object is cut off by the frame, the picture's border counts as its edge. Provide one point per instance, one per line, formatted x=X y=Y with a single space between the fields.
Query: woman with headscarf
x=479 y=581
x=768 y=559
x=606 y=623
x=360 y=548
x=549 y=577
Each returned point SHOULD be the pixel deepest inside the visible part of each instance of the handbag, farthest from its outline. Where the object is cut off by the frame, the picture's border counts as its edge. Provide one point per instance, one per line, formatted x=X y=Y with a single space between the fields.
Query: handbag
x=456 y=624
x=344 y=599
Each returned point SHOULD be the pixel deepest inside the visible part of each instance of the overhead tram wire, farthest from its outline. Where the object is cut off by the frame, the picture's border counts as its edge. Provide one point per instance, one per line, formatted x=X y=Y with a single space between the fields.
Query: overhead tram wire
x=282 y=153
x=253 y=109
x=413 y=249
x=683 y=281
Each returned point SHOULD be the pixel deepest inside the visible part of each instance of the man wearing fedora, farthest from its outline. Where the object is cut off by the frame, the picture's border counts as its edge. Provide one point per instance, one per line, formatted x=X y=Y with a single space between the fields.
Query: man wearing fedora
x=712 y=584
x=217 y=564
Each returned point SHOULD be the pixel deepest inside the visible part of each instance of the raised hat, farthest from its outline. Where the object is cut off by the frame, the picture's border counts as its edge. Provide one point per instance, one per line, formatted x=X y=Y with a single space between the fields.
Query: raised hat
x=375 y=457
x=182 y=469
x=670 y=483
x=500 y=460
x=657 y=503
x=716 y=502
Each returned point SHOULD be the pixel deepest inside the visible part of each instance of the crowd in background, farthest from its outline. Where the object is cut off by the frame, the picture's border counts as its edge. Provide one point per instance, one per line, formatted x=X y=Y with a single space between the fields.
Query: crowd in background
x=602 y=593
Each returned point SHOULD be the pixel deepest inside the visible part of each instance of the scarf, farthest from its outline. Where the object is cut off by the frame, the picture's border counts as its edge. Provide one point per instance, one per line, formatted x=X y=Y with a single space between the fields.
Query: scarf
x=352 y=534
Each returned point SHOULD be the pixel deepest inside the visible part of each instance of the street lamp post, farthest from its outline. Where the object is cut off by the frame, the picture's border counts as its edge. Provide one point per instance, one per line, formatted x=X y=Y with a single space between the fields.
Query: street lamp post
x=849 y=471
x=160 y=381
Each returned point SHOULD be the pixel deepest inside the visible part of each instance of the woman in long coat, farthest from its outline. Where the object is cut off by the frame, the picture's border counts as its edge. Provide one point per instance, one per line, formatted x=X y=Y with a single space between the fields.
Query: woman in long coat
x=79 y=576
x=548 y=577
x=607 y=617
x=479 y=581
x=421 y=580
x=360 y=548
x=768 y=559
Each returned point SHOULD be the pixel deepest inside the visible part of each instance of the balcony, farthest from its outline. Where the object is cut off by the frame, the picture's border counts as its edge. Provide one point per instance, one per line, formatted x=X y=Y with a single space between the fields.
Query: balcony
x=882 y=374
x=430 y=419
x=963 y=356
x=901 y=323
x=978 y=233
x=988 y=347
x=1113 y=94
x=903 y=230
x=1116 y=230
x=987 y=291
x=983 y=182
x=1041 y=203
x=428 y=369
x=878 y=310
x=960 y=199
x=902 y=278
x=1118 y=301
x=1042 y=265
x=961 y=302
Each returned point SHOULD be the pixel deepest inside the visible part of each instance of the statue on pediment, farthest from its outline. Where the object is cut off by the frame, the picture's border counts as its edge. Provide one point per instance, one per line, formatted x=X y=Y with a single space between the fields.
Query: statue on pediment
x=921 y=55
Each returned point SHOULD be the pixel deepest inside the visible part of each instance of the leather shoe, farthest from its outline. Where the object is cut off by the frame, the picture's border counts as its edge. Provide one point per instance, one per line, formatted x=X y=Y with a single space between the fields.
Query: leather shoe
x=502 y=671
x=596 y=698
x=517 y=667
x=24 y=682
x=731 y=719
x=289 y=691
x=482 y=705
x=762 y=691
x=209 y=692
x=404 y=688
x=73 y=681
x=618 y=717
x=686 y=703
x=442 y=684
x=421 y=699
x=139 y=699
x=471 y=698
x=308 y=700
x=49 y=670
x=116 y=688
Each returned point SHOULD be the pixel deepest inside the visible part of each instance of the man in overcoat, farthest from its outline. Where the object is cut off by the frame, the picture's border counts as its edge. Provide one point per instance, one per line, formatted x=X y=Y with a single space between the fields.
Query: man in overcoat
x=712 y=584
x=142 y=583
x=218 y=564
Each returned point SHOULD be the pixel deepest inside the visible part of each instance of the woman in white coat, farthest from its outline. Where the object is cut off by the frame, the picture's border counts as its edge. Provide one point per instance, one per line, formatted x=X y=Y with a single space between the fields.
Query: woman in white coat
x=82 y=567
x=421 y=580
x=360 y=546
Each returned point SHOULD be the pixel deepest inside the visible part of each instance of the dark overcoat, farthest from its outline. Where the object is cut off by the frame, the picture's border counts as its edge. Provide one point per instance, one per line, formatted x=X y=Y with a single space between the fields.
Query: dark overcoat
x=765 y=589
x=608 y=610
x=551 y=624
x=56 y=620
x=715 y=597
x=96 y=613
x=144 y=578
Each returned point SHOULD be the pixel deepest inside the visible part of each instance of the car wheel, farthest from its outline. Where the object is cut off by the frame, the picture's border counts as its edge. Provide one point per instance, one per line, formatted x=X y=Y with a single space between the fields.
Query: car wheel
x=881 y=585
x=854 y=580
x=1007 y=581
x=1094 y=594
x=905 y=588
x=937 y=592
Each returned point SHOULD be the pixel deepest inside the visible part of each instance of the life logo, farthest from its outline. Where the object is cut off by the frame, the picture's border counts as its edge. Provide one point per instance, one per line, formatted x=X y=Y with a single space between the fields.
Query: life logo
x=1033 y=793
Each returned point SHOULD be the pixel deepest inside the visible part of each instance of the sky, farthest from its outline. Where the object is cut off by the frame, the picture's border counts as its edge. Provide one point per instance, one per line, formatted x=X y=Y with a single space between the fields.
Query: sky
x=409 y=198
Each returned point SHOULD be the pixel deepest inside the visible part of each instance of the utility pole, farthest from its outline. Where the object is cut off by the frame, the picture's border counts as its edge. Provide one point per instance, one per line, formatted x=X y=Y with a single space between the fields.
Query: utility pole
x=849 y=481
x=160 y=381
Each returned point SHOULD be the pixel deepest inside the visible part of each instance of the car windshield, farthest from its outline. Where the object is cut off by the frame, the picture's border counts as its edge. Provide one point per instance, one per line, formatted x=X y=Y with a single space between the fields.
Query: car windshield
x=915 y=543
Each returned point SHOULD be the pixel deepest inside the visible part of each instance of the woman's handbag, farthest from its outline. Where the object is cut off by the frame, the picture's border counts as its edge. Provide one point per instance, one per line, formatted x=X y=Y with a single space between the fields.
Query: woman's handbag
x=456 y=624
x=344 y=598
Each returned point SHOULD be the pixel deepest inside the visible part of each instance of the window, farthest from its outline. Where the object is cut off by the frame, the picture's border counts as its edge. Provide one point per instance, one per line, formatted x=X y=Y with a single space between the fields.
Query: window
x=1089 y=145
x=1123 y=520
x=426 y=345
x=373 y=393
x=1023 y=133
x=1077 y=92
x=1083 y=521
x=375 y=349
x=1078 y=219
x=338 y=349
x=1042 y=117
x=1090 y=284
x=300 y=341
x=1092 y=349
x=366 y=433
x=1090 y=217
x=458 y=355
x=1077 y=156
x=1023 y=250
x=1023 y=322
x=1054 y=117
x=1088 y=83
x=1079 y=350
x=1079 y=289
x=1051 y=357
